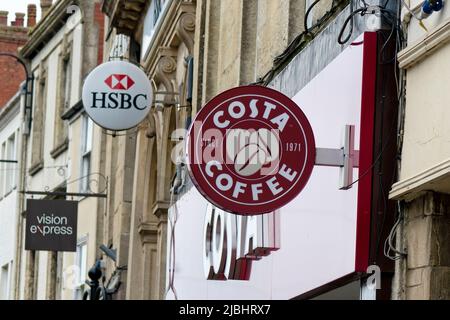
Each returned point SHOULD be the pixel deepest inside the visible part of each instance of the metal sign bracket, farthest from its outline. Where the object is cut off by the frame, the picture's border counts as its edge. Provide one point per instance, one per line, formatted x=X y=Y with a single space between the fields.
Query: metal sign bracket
x=346 y=158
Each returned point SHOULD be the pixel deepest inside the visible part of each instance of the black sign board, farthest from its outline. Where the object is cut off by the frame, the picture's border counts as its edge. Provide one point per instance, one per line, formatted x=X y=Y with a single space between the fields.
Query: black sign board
x=51 y=225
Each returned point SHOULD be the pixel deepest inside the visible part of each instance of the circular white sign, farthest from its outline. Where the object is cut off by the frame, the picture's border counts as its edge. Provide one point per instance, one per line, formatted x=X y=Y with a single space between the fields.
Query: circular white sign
x=117 y=95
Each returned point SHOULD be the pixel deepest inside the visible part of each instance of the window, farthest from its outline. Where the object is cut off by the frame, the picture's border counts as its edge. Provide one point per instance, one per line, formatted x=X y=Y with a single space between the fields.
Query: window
x=67 y=74
x=63 y=98
x=157 y=8
x=81 y=263
x=37 y=148
x=151 y=20
x=3 y=170
x=10 y=174
x=4 y=282
x=86 y=148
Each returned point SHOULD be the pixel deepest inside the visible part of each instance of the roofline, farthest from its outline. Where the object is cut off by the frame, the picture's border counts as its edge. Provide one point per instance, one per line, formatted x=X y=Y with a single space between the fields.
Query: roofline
x=13 y=105
x=47 y=27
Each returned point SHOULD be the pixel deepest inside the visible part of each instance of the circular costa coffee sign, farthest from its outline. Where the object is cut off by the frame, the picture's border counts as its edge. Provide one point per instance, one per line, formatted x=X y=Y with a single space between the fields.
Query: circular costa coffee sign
x=250 y=150
x=117 y=95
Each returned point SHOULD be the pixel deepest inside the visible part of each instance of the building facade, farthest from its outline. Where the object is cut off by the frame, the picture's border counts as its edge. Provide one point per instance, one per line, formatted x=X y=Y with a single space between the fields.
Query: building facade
x=12 y=37
x=191 y=51
x=160 y=37
x=61 y=153
x=423 y=268
x=267 y=43
x=10 y=142
x=336 y=59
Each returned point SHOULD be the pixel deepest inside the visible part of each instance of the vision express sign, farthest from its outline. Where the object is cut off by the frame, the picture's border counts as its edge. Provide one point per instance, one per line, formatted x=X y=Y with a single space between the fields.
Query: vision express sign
x=51 y=225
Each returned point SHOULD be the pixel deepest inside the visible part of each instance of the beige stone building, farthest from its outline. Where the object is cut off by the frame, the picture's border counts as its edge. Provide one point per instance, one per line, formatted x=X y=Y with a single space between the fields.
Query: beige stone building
x=159 y=35
x=60 y=153
x=423 y=271
x=191 y=51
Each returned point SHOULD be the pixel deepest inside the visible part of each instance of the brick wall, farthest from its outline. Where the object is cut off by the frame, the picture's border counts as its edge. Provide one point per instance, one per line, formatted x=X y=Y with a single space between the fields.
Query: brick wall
x=100 y=21
x=12 y=73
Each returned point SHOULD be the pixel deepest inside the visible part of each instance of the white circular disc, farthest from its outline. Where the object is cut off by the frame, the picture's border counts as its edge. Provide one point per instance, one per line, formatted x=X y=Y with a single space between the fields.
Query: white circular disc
x=117 y=95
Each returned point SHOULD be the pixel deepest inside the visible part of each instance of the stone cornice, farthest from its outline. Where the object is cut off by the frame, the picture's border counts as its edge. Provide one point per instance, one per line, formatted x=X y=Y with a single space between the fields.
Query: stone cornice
x=50 y=24
x=177 y=24
x=414 y=53
x=435 y=178
x=125 y=15
x=13 y=34
x=160 y=208
x=148 y=232
x=73 y=111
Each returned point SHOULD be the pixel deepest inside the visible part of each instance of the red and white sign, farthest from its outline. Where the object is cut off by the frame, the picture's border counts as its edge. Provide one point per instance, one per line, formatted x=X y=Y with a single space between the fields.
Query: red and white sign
x=250 y=150
x=323 y=235
x=117 y=95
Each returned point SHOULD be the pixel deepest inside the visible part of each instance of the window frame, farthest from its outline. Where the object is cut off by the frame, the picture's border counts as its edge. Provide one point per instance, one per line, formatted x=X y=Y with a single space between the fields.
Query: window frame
x=38 y=128
x=155 y=21
x=63 y=96
x=86 y=151
x=81 y=262
x=2 y=170
x=9 y=172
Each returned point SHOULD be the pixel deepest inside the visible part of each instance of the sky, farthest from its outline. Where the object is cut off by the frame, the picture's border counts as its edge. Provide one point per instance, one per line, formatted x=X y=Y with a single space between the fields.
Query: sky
x=13 y=6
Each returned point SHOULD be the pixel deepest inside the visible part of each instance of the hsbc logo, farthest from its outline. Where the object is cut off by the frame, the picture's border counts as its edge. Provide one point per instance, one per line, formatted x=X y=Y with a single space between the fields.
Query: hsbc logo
x=119 y=82
x=117 y=95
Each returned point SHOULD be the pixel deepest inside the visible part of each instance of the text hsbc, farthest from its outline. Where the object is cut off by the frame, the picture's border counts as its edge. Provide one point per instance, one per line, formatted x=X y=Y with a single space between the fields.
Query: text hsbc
x=116 y=100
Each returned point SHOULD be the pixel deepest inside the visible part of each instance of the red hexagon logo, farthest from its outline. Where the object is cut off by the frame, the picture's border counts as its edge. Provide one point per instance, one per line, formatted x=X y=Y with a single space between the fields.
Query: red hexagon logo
x=119 y=82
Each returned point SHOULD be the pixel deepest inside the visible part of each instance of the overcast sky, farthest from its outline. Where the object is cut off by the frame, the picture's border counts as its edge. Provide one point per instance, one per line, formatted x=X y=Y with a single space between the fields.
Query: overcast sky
x=13 y=6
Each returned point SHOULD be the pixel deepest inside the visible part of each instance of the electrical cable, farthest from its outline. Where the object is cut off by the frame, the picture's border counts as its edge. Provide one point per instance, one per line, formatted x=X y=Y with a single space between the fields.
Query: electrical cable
x=305 y=20
x=411 y=12
x=362 y=11
x=388 y=243
x=27 y=169
x=377 y=159
x=400 y=43
x=173 y=219
x=296 y=44
x=383 y=47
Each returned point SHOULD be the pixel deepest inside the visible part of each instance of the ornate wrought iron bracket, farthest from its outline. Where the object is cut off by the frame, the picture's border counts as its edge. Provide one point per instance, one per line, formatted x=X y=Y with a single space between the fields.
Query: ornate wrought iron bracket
x=65 y=194
x=102 y=194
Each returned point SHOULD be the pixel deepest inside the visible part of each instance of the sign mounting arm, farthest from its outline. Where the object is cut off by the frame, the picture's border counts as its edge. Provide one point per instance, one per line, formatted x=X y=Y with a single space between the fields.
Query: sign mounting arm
x=345 y=158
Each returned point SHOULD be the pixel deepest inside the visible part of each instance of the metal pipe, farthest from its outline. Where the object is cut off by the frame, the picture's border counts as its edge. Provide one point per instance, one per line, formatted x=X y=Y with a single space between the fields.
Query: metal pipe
x=67 y=194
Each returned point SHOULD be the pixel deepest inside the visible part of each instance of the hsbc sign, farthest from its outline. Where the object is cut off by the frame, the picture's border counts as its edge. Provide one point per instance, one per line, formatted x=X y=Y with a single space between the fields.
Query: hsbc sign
x=117 y=95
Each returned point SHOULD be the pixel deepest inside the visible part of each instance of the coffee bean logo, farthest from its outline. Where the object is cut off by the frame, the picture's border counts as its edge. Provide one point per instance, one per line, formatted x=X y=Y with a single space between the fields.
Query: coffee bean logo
x=250 y=151
x=250 y=159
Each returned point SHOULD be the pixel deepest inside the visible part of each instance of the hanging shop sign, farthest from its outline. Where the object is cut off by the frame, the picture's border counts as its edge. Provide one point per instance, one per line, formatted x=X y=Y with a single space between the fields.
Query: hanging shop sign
x=117 y=95
x=250 y=150
x=232 y=242
x=51 y=225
